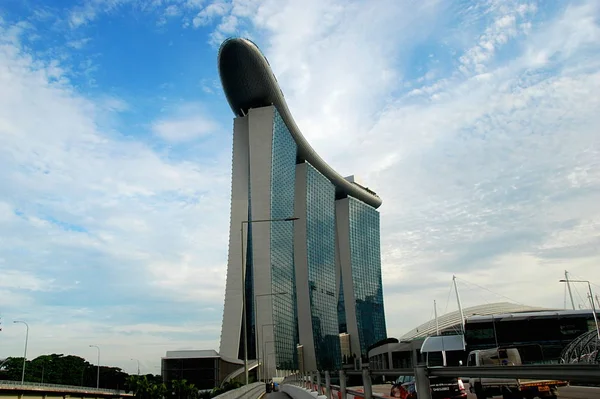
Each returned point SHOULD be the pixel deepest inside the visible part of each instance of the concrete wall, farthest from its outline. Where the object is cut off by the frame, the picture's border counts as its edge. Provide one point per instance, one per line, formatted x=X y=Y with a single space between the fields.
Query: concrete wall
x=305 y=331
x=344 y=265
x=232 y=310
x=260 y=131
x=51 y=395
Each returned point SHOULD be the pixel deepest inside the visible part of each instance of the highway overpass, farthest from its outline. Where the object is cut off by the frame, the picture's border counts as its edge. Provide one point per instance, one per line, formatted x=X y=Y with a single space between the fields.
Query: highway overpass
x=34 y=390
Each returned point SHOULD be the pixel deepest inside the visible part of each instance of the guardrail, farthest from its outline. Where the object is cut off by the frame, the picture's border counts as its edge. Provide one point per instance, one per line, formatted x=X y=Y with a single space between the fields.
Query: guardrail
x=36 y=386
x=569 y=372
x=565 y=372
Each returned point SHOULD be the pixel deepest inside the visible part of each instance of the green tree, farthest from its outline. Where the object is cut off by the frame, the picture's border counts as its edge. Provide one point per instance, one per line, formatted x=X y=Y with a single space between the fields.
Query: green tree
x=11 y=369
x=139 y=385
x=181 y=389
x=157 y=391
x=74 y=370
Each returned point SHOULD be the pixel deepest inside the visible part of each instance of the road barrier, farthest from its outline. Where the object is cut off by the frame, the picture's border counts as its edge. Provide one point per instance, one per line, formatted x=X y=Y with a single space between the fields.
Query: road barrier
x=589 y=373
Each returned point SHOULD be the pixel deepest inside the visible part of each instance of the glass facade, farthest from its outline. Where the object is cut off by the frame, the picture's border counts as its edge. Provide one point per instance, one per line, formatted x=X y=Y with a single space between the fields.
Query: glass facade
x=365 y=258
x=283 y=179
x=249 y=292
x=320 y=226
x=341 y=308
x=326 y=296
x=249 y=289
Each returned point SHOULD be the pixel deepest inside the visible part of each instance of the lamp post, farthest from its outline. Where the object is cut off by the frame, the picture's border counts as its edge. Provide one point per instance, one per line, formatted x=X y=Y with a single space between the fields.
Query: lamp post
x=265 y=366
x=262 y=327
x=138 y=364
x=591 y=301
x=98 y=375
x=25 y=353
x=267 y=361
x=244 y=323
x=262 y=334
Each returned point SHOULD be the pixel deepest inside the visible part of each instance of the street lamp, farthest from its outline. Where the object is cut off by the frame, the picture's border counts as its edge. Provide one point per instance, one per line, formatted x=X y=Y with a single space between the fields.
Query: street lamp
x=591 y=301
x=262 y=335
x=98 y=376
x=25 y=354
x=244 y=324
x=266 y=362
x=138 y=363
x=264 y=325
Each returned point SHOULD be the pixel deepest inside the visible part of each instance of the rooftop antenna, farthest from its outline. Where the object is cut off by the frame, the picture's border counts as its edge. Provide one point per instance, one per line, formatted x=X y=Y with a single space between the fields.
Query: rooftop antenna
x=569 y=288
x=437 y=332
x=437 y=326
x=460 y=309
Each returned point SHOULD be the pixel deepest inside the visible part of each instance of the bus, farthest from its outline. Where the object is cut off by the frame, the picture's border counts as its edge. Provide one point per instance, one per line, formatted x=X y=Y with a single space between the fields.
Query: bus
x=540 y=336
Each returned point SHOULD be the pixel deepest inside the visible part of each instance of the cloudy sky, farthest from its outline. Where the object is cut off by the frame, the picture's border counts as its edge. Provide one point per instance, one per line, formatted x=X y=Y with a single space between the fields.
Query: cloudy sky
x=476 y=122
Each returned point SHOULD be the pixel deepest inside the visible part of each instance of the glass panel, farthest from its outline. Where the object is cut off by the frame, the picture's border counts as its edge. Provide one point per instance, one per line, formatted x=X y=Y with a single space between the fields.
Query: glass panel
x=365 y=258
x=320 y=226
x=283 y=179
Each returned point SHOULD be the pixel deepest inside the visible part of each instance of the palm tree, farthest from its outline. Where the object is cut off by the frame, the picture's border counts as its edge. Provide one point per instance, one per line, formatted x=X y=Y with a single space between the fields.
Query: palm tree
x=140 y=386
x=178 y=388
x=157 y=391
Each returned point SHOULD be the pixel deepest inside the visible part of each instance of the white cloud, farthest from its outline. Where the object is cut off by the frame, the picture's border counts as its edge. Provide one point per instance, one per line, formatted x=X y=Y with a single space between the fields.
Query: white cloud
x=479 y=134
x=97 y=217
x=211 y=11
x=478 y=164
x=24 y=281
x=118 y=345
x=82 y=16
x=194 y=4
x=187 y=125
x=79 y=44
x=172 y=11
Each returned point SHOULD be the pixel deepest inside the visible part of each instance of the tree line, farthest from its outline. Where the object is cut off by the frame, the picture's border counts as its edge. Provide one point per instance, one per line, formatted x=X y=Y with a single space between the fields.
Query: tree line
x=144 y=388
x=64 y=370
x=76 y=371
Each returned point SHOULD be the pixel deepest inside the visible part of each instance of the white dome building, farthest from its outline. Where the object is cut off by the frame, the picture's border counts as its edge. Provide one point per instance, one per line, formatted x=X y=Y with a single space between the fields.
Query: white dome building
x=451 y=322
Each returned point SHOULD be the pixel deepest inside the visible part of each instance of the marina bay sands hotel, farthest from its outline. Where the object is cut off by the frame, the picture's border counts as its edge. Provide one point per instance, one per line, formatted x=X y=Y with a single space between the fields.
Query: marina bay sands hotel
x=304 y=264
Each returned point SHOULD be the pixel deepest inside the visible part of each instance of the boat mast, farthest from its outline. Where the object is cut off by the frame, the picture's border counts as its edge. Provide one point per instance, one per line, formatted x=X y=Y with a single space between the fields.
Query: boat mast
x=569 y=287
x=460 y=309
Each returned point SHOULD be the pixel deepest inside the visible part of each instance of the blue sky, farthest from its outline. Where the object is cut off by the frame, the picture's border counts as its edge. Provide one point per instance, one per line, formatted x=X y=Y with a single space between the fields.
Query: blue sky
x=476 y=122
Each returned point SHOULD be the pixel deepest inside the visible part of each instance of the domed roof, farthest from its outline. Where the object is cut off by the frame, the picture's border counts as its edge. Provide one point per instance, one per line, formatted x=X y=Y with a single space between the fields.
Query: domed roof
x=451 y=321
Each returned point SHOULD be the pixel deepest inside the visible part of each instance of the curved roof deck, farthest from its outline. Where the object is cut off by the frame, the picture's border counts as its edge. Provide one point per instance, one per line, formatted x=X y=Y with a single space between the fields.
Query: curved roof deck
x=452 y=321
x=249 y=82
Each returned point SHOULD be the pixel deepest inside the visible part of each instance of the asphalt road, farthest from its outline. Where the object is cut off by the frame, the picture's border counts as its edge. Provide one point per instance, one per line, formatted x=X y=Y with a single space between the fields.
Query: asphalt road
x=575 y=392
x=277 y=395
x=570 y=392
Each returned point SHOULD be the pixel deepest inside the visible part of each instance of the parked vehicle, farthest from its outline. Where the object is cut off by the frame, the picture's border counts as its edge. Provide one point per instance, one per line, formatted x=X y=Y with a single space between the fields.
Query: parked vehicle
x=269 y=386
x=509 y=388
x=404 y=388
x=441 y=388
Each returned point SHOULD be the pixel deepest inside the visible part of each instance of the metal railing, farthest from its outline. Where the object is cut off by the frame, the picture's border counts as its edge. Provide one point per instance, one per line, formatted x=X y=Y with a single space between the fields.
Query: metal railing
x=37 y=386
x=565 y=372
